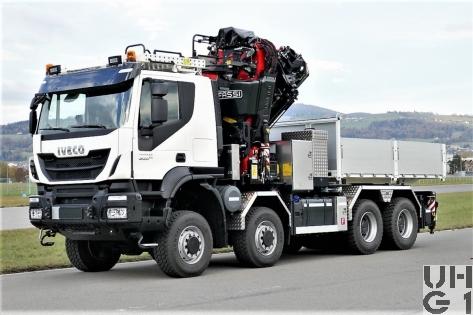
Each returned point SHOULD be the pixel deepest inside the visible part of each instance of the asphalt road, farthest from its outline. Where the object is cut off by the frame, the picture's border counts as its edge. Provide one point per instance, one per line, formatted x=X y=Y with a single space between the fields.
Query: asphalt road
x=14 y=218
x=17 y=217
x=311 y=280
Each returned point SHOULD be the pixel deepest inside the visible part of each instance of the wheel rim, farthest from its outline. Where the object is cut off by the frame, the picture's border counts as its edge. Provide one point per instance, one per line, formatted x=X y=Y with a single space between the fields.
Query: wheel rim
x=266 y=238
x=191 y=244
x=368 y=227
x=405 y=223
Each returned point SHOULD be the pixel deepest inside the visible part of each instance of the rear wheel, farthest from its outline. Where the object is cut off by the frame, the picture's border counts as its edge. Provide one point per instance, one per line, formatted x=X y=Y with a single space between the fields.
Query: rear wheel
x=261 y=243
x=91 y=255
x=400 y=224
x=185 y=247
x=365 y=231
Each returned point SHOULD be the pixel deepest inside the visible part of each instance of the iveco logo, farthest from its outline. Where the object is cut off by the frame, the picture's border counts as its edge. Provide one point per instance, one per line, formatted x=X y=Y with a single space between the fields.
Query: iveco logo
x=71 y=150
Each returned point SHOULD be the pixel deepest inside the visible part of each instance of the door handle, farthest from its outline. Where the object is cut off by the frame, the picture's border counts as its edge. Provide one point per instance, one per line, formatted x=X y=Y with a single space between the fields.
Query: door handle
x=180 y=157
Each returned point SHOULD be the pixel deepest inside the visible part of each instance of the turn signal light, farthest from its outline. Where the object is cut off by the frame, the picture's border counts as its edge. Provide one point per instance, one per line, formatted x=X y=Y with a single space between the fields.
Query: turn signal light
x=131 y=56
x=49 y=65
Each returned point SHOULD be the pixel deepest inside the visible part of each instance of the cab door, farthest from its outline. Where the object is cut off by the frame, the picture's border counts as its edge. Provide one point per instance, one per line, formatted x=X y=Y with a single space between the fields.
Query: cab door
x=159 y=147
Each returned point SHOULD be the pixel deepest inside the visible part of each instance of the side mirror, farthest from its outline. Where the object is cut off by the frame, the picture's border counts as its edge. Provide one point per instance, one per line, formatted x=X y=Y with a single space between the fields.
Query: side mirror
x=33 y=121
x=37 y=99
x=159 y=106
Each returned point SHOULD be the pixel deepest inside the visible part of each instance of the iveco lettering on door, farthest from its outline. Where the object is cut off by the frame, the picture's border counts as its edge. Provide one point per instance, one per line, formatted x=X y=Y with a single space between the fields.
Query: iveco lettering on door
x=71 y=150
x=228 y=94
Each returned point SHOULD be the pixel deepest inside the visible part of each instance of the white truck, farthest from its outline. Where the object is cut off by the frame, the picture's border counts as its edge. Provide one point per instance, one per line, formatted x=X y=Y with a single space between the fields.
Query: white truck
x=176 y=156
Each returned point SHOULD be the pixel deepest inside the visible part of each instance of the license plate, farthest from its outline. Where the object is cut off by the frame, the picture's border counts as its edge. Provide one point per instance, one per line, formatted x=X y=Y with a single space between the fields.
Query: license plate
x=66 y=213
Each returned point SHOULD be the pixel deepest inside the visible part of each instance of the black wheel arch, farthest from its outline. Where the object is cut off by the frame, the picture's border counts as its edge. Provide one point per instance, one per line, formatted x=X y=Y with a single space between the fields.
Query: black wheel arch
x=200 y=195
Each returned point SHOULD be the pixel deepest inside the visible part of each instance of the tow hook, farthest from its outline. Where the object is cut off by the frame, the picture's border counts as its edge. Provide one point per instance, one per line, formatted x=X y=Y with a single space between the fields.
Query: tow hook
x=46 y=233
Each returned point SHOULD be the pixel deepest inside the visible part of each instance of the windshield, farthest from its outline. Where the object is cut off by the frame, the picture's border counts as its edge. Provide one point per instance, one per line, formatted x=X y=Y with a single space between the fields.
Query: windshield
x=99 y=107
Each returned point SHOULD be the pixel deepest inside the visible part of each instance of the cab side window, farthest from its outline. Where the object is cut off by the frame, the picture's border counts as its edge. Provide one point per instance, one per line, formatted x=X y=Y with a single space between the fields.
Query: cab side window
x=145 y=102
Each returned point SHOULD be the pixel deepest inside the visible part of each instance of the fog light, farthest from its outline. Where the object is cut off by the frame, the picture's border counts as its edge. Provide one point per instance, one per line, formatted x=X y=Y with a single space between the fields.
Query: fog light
x=36 y=214
x=116 y=213
x=116 y=198
x=34 y=199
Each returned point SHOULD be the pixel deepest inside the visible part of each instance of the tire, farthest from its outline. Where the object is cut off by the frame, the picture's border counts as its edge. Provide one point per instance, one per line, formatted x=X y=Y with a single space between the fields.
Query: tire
x=294 y=247
x=365 y=230
x=400 y=224
x=257 y=245
x=91 y=256
x=173 y=255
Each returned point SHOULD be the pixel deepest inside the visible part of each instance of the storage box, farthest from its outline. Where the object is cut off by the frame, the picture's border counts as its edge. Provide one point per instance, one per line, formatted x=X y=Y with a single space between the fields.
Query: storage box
x=295 y=163
x=319 y=139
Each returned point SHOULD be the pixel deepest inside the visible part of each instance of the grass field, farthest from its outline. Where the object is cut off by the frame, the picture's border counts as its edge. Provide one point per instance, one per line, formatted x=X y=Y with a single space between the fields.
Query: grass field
x=13 y=201
x=448 y=181
x=16 y=194
x=21 y=251
x=455 y=210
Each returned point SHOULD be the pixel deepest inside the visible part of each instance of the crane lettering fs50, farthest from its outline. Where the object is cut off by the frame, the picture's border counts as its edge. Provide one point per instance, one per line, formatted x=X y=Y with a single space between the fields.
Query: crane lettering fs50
x=175 y=156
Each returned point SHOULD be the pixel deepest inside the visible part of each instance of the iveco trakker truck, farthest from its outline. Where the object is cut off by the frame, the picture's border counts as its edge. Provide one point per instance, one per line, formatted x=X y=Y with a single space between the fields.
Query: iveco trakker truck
x=156 y=152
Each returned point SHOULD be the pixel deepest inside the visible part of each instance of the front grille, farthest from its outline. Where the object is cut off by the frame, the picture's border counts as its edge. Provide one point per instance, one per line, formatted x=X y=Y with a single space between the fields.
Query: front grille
x=74 y=168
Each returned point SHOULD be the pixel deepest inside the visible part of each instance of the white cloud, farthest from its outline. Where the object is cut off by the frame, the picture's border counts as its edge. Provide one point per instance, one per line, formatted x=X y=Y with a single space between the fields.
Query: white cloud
x=322 y=65
x=355 y=52
x=13 y=112
x=148 y=16
x=450 y=32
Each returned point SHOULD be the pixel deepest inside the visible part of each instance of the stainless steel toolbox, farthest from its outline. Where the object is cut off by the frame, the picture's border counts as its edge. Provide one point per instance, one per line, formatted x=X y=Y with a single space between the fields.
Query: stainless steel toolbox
x=319 y=140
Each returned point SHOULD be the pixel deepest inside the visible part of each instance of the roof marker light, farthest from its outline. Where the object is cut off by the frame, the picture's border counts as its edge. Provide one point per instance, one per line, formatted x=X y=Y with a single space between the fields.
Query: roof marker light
x=114 y=60
x=50 y=69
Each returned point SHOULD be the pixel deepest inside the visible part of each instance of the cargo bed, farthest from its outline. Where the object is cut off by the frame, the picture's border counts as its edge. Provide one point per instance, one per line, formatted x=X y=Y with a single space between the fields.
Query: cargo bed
x=372 y=160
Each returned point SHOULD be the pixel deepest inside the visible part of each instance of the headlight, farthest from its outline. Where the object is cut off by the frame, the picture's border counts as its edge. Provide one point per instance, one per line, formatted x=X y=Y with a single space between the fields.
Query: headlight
x=36 y=214
x=116 y=213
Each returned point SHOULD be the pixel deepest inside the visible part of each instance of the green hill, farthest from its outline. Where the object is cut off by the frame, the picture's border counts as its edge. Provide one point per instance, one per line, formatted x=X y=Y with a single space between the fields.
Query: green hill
x=455 y=130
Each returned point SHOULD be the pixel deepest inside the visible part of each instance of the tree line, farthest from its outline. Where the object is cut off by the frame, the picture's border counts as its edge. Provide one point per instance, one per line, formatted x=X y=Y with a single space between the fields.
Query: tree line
x=13 y=173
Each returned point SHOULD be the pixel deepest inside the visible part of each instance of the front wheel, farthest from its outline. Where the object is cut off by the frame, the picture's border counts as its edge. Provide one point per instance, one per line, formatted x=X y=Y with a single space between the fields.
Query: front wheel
x=91 y=256
x=365 y=231
x=185 y=247
x=261 y=243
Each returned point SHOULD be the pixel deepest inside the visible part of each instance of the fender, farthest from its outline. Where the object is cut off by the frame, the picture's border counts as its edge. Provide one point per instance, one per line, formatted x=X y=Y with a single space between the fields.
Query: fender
x=385 y=193
x=178 y=176
x=238 y=220
x=220 y=229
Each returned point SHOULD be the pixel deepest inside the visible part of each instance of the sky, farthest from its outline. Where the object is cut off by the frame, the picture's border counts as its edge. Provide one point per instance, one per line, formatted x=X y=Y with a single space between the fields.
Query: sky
x=362 y=56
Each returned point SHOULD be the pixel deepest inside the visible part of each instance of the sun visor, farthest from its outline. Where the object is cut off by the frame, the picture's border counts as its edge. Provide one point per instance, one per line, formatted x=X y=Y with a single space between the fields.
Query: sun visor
x=87 y=78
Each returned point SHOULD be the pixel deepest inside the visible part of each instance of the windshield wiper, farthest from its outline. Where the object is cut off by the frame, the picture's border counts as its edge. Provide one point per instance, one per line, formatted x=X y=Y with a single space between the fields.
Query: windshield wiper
x=55 y=128
x=89 y=126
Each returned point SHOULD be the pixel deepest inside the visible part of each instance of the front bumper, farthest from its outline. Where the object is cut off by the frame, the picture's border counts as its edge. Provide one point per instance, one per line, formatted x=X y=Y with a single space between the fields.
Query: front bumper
x=81 y=213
